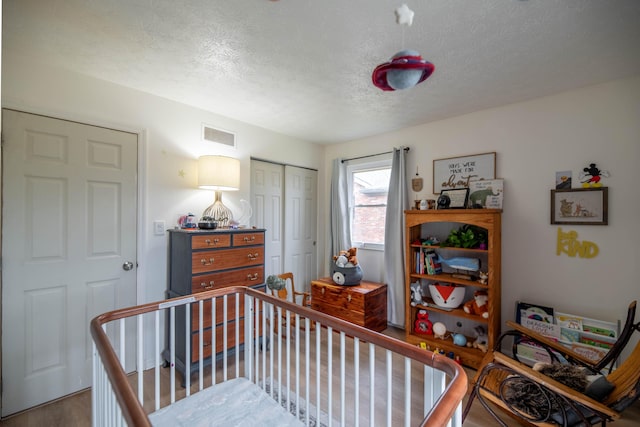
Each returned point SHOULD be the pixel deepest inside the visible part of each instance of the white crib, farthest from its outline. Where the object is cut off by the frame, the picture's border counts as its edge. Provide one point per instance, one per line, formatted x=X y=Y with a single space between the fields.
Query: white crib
x=296 y=367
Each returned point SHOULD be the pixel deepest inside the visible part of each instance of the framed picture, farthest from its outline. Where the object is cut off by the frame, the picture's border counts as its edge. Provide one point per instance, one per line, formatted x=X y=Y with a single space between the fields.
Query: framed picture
x=486 y=194
x=457 y=172
x=579 y=206
x=458 y=198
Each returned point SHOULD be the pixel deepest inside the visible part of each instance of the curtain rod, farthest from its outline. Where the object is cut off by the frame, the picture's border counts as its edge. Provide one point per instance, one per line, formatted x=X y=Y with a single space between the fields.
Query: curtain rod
x=372 y=155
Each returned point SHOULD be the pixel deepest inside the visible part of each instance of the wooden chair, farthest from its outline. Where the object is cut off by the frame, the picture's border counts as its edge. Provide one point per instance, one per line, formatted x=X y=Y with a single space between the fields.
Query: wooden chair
x=289 y=293
x=499 y=374
x=294 y=295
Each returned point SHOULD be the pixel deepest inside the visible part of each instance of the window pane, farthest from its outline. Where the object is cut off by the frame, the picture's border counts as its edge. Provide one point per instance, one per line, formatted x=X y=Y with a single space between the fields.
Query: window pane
x=370 y=189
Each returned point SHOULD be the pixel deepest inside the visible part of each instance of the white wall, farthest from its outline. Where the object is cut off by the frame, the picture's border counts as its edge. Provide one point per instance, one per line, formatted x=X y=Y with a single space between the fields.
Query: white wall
x=171 y=136
x=533 y=140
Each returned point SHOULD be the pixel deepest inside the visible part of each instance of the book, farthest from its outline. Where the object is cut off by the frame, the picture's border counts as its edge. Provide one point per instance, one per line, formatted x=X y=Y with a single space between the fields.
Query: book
x=537 y=312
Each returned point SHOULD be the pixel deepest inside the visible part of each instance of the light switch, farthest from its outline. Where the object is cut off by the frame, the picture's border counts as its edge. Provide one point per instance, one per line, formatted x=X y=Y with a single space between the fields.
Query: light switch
x=158 y=228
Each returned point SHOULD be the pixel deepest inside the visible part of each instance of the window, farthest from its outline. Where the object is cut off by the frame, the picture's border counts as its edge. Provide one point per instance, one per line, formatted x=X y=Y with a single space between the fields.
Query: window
x=368 y=188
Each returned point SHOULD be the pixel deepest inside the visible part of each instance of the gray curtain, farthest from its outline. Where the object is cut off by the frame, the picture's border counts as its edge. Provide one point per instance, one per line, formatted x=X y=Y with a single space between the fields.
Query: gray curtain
x=340 y=229
x=394 y=239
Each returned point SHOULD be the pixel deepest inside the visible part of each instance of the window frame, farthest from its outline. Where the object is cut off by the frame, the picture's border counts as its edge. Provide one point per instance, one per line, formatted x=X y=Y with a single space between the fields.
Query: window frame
x=364 y=165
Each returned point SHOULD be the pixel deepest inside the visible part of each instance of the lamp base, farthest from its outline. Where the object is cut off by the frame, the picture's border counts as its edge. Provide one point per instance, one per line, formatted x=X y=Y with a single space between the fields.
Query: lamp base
x=219 y=212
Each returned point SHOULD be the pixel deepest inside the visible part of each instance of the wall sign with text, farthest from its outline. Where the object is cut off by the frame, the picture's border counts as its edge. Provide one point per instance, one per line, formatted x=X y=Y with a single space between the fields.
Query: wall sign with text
x=457 y=172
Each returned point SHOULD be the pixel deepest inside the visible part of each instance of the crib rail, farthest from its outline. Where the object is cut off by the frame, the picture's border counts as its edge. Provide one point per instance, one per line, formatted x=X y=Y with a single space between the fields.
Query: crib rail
x=300 y=357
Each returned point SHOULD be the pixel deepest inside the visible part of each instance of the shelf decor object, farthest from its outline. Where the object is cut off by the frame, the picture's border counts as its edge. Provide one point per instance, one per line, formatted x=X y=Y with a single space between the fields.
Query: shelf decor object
x=219 y=173
x=458 y=172
x=580 y=206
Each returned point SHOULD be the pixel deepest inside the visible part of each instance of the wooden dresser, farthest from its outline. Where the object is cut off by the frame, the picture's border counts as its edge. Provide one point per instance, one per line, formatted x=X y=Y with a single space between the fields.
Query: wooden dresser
x=200 y=260
x=364 y=304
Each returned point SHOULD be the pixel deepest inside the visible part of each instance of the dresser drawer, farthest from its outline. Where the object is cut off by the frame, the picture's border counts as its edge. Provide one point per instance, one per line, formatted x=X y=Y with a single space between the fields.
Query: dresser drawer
x=204 y=261
x=206 y=312
x=207 y=342
x=210 y=241
x=243 y=277
x=247 y=239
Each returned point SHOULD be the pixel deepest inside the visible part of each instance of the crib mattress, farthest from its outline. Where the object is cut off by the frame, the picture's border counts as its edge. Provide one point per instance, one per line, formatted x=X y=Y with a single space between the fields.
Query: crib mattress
x=237 y=402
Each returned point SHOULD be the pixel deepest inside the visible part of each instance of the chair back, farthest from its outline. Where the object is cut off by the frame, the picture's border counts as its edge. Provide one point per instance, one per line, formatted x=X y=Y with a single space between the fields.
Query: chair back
x=288 y=289
x=629 y=327
x=626 y=379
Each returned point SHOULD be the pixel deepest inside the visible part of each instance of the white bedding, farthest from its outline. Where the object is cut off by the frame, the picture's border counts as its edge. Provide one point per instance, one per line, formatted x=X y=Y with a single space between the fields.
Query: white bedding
x=237 y=402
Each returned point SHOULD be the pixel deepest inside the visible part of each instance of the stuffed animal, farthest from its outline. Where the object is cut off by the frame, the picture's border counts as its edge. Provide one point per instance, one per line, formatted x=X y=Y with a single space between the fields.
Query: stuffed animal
x=351 y=256
x=346 y=258
x=416 y=294
x=479 y=305
x=483 y=277
x=482 y=340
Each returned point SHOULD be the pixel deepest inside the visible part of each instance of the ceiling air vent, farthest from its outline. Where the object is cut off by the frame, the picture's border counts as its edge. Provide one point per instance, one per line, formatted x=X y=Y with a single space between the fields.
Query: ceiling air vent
x=218 y=136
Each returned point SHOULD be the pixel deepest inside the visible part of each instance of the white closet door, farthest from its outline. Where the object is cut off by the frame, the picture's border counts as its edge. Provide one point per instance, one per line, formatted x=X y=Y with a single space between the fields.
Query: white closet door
x=267 y=203
x=300 y=229
x=284 y=202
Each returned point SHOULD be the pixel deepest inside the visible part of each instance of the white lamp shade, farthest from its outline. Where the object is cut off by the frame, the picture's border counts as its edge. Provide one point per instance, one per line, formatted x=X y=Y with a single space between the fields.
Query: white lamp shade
x=219 y=173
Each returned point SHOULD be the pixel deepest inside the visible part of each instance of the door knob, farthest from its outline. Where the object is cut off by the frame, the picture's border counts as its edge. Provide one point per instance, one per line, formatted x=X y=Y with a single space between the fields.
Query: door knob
x=127 y=266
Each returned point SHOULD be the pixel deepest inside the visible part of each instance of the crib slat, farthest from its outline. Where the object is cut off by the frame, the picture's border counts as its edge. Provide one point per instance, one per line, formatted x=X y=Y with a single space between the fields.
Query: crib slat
x=139 y=367
x=407 y=392
x=172 y=350
x=330 y=374
x=214 y=302
x=187 y=349
x=372 y=383
x=342 y=379
x=201 y=342
x=237 y=335
x=356 y=372
x=157 y=367
x=389 y=385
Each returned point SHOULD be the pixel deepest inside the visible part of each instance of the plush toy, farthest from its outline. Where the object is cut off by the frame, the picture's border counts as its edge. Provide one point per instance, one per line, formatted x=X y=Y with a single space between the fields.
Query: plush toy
x=479 y=305
x=423 y=325
x=481 y=341
x=416 y=294
x=346 y=258
x=483 y=277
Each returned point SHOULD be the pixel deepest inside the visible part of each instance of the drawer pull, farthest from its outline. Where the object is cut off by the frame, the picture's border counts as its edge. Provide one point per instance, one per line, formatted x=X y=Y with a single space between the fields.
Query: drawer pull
x=252 y=278
x=253 y=256
x=349 y=298
x=211 y=243
x=249 y=239
x=322 y=291
x=207 y=262
x=205 y=286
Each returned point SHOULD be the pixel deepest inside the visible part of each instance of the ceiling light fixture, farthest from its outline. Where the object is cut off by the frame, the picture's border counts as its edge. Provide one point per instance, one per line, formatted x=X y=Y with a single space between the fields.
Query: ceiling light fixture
x=406 y=68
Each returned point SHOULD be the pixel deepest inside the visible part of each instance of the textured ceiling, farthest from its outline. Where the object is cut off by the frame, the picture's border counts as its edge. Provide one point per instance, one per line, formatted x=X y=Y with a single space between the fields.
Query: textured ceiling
x=303 y=67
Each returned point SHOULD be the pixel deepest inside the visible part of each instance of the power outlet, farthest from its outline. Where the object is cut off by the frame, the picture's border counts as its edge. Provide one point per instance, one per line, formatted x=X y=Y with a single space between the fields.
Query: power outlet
x=158 y=228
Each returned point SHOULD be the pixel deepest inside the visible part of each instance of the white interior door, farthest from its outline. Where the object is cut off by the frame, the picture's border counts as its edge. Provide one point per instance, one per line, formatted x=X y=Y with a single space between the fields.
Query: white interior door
x=300 y=230
x=69 y=231
x=267 y=194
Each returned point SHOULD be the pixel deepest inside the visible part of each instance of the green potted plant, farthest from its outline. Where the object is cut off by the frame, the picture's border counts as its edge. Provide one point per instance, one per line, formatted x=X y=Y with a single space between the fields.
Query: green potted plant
x=468 y=236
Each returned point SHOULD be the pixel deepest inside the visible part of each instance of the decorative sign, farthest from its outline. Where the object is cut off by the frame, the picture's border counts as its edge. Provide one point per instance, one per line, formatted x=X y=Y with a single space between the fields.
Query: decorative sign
x=457 y=172
x=569 y=244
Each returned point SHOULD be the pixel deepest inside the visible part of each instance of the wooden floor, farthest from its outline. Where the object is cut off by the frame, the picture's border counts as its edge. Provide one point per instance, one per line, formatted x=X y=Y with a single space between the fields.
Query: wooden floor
x=75 y=410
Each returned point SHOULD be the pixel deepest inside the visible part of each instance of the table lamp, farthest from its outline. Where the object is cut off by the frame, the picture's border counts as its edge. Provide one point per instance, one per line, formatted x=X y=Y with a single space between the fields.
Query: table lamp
x=219 y=173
